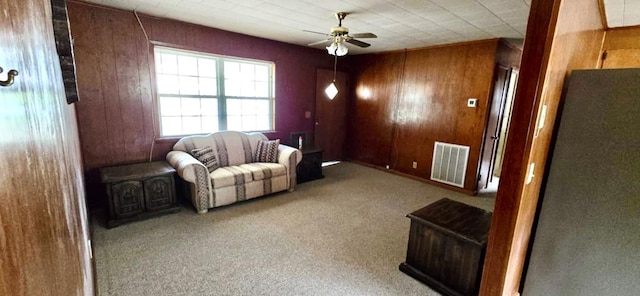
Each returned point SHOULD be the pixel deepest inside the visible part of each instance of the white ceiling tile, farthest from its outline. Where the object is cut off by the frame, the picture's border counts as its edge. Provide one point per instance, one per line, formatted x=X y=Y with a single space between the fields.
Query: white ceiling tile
x=399 y=24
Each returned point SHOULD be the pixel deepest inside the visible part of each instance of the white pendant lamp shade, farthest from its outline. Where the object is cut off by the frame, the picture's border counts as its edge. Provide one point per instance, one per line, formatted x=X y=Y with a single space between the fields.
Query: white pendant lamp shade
x=337 y=48
x=331 y=91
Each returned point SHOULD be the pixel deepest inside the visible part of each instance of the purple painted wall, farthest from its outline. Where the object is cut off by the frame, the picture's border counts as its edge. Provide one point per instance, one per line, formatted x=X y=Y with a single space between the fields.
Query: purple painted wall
x=295 y=65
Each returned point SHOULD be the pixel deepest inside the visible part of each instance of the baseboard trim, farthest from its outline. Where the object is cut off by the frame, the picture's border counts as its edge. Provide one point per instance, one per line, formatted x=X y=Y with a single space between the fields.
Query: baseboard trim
x=430 y=182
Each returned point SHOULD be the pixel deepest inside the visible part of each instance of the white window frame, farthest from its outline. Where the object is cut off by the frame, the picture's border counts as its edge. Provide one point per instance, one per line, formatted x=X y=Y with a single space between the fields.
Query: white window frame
x=221 y=95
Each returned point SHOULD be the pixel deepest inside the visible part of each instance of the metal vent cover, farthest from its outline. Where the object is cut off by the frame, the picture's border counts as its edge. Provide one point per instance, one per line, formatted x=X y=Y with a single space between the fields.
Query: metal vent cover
x=449 y=163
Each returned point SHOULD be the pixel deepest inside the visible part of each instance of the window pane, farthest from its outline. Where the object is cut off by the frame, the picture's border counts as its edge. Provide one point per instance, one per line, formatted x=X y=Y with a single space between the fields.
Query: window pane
x=187 y=66
x=171 y=126
x=234 y=123
x=191 y=125
x=206 y=68
x=210 y=124
x=168 y=84
x=262 y=73
x=234 y=107
x=232 y=87
x=188 y=93
x=208 y=86
x=249 y=123
x=190 y=107
x=248 y=107
x=158 y=61
x=248 y=72
x=168 y=64
x=262 y=89
x=231 y=70
x=247 y=90
x=188 y=85
x=170 y=106
x=262 y=123
x=262 y=107
x=209 y=107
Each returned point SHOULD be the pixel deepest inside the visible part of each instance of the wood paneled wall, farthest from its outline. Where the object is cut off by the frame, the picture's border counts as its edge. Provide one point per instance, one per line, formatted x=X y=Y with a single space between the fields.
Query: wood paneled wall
x=116 y=108
x=405 y=101
x=562 y=35
x=372 y=111
x=622 y=48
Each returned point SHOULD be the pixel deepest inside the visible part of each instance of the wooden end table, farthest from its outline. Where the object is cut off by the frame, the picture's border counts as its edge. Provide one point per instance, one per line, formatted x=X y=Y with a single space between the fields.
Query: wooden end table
x=310 y=167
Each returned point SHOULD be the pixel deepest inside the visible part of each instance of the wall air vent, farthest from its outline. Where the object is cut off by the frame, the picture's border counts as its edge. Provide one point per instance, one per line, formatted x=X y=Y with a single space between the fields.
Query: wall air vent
x=449 y=163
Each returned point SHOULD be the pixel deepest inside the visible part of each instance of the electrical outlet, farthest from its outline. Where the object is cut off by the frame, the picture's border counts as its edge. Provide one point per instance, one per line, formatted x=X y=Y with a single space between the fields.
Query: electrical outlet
x=415 y=164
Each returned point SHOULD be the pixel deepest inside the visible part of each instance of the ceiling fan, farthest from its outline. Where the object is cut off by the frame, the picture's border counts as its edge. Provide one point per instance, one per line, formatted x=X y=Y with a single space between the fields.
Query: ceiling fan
x=339 y=35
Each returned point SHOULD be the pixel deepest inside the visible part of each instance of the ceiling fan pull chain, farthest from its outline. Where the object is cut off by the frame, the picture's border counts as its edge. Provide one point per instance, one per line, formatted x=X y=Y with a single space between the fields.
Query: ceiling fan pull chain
x=335 y=64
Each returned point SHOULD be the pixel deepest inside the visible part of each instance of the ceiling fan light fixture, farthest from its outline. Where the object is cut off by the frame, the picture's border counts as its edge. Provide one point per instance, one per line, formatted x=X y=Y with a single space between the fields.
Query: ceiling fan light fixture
x=342 y=49
x=337 y=48
x=339 y=35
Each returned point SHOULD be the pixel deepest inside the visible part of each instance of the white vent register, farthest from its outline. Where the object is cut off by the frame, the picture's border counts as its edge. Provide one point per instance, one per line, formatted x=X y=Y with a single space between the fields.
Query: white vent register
x=449 y=163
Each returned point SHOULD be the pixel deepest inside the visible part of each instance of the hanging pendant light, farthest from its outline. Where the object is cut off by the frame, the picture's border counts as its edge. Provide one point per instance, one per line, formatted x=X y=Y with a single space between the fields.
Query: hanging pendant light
x=332 y=90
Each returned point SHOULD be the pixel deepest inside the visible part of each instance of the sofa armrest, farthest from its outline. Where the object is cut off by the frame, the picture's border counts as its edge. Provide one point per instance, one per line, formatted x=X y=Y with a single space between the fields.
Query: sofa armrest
x=289 y=157
x=194 y=172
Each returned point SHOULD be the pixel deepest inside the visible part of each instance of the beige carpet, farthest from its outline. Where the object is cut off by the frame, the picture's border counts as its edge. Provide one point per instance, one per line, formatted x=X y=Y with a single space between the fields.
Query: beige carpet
x=341 y=235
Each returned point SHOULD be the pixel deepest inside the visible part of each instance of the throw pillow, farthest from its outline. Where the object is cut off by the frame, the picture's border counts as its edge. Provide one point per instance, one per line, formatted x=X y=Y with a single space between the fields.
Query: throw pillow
x=207 y=157
x=267 y=151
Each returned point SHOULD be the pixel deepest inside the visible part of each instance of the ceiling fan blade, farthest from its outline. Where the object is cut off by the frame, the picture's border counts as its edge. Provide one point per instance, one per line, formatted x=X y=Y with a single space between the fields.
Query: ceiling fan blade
x=364 y=35
x=319 y=42
x=314 y=32
x=358 y=43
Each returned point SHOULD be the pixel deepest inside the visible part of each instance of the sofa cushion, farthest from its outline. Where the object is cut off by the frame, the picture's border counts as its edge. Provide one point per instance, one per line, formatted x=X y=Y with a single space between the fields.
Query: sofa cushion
x=235 y=148
x=267 y=151
x=207 y=157
x=230 y=176
x=265 y=170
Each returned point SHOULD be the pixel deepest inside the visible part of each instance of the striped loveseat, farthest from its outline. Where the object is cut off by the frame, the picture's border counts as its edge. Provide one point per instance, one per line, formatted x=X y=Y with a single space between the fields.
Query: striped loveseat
x=221 y=168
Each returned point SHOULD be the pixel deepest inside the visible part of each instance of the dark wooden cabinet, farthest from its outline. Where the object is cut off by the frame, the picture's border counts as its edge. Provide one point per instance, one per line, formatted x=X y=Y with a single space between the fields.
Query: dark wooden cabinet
x=447 y=243
x=310 y=167
x=139 y=191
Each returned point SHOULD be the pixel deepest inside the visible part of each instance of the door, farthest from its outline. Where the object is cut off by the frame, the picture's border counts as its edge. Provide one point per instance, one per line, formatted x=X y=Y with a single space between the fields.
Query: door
x=330 y=127
x=44 y=248
x=506 y=121
x=492 y=130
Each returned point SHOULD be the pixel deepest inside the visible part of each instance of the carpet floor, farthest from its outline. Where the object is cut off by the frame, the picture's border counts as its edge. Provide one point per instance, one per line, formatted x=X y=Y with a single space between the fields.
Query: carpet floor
x=345 y=234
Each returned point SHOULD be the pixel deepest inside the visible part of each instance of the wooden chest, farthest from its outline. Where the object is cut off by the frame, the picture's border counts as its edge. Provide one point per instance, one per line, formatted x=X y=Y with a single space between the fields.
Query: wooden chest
x=139 y=191
x=447 y=243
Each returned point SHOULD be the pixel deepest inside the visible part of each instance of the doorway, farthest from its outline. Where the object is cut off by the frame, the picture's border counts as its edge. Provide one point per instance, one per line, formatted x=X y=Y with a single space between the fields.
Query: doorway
x=500 y=107
x=331 y=114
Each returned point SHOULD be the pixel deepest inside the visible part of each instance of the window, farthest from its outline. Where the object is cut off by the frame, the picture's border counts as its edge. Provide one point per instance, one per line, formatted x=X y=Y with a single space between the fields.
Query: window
x=203 y=93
